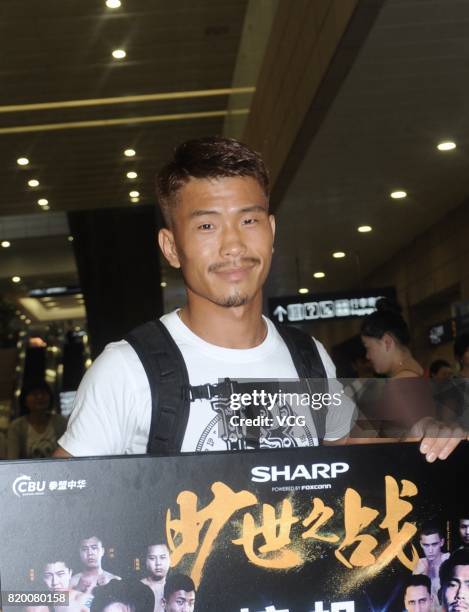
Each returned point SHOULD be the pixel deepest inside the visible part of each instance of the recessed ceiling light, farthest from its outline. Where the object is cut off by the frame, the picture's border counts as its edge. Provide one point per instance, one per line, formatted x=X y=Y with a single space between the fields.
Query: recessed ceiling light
x=163 y=284
x=28 y=321
x=319 y=275
x=398 y=195
x=364 y=229
x=446 y=146
x=338 y=255
x=43 y=202
x=119 y=54
x=22 y=161
x=303 y=290
x=135 y=200
x=129 y=152
x=6 y=244
x=132 y=175
x=113 y=4
x=134 y=194
x=33 y=183
x=22 y=317
x=70 y=238
x=16 y=279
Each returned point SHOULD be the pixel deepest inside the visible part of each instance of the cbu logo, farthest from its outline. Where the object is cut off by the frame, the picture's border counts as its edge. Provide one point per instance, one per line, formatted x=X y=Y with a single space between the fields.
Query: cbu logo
x=24 y=485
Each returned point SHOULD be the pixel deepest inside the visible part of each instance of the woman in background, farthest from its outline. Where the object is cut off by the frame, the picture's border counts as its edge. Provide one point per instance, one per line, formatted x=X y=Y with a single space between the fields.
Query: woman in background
x=35 y=434
x=406 y=396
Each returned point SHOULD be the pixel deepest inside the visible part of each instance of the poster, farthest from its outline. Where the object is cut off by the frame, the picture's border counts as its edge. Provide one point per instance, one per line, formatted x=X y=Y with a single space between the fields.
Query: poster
x=304 y=530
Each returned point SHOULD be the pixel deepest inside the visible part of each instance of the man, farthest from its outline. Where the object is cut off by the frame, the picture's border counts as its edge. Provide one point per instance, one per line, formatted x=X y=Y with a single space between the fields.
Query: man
x=56 y=575
x=417 y=594
x=214 y=197
x=157 y=564
x=179 y=594
x=464 y=532
x=91 y=556
x=454 y=578
x=123 y=596
x=432 y=543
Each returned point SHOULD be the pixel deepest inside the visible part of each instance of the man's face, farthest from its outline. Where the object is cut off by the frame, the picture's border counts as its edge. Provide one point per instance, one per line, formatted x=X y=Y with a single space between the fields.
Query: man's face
x=57 y=576
x=180 y=601
x=456 y=592
x=464 y=531
x=431 y=545
x=91 y=552
x=221 y=238
x=417 y=599
x=158 y=561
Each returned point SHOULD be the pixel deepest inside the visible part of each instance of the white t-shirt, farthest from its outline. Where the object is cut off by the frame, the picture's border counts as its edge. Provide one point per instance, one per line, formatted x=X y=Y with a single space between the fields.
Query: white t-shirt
x=112 y=410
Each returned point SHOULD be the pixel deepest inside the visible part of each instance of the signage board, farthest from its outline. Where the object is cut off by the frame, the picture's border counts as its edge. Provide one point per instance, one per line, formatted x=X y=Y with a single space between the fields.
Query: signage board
x=303 y=530
x=319 y=306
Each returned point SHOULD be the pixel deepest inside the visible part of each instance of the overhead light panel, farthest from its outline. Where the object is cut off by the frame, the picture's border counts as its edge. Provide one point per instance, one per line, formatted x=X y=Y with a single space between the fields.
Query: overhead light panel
x=6 y=244
x=134 y=194
x=446 y=146
x=22 y=161
x=43 y=202
x=70 y=238
x=16 y=279
x=364 y=229
x=163 y=284
x=33 y=183
x=398 y=195
x=135 y=200
x=119 y=54
x=132 y=175
x=303 y=290
x=129 y=153
x=338 y=255
x=113 y=4
x=319 y=275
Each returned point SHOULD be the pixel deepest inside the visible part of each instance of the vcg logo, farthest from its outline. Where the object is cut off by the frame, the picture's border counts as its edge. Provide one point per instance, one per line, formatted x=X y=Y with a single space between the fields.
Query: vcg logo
x=25 y=485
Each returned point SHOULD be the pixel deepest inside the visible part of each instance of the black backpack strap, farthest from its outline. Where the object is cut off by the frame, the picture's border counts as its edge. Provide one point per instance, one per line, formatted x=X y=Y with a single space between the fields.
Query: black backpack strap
x=169 y=385
x=308 y=363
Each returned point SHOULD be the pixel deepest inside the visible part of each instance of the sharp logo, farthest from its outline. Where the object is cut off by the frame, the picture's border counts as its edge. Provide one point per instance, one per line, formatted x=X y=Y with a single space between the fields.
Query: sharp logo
x=24 y=485
x=306 y=472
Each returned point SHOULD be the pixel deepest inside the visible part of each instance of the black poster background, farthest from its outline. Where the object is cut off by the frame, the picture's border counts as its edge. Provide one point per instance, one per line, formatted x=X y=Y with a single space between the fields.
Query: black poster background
x=125 y=501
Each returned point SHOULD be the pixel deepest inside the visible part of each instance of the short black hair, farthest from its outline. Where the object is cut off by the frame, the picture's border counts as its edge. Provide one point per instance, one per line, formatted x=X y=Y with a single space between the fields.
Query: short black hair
x=436 y=366
x=418 y=580
x=431 y=527
x=212 y=157
x=387 y=319
x=459 y=557
x=132 y=593
x=178 y=582
x=461 y=344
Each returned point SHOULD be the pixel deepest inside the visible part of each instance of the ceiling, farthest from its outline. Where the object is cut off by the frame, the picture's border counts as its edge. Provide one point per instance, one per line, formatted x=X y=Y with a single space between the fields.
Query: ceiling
x=407 y=90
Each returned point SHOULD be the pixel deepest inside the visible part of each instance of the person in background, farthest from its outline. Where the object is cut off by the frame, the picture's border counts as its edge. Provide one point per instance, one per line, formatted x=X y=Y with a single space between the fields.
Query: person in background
x=461 y=352
x=440 y=370
x=35 y=435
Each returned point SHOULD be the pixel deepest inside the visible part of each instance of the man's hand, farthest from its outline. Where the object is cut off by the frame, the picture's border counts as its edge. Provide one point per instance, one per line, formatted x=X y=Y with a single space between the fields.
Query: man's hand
x=438 y=439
